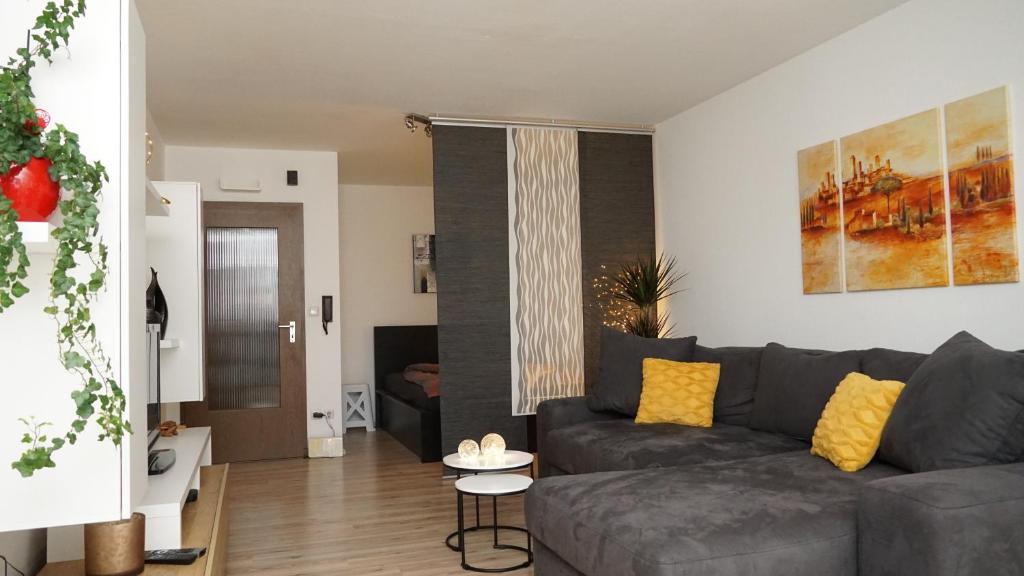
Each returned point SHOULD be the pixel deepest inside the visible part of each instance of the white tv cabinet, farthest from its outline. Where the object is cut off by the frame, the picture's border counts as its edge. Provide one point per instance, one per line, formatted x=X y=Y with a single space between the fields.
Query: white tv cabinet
x=166 y=495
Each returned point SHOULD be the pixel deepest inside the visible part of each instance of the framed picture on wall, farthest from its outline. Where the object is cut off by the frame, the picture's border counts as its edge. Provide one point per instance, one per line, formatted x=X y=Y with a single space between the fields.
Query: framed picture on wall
x=424 y=264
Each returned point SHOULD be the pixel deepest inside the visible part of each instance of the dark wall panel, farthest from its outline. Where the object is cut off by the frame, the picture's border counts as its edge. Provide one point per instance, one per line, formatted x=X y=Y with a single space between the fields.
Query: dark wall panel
x=616 y=217
x=474 y=340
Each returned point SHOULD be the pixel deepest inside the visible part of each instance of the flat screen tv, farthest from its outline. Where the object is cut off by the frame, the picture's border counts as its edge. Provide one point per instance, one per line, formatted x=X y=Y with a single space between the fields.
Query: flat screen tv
x=153 y=403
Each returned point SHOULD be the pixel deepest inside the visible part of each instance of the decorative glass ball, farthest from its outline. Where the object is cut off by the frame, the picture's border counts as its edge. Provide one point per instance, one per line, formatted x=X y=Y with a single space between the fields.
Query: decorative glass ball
x=469 y=450
x=492 y=445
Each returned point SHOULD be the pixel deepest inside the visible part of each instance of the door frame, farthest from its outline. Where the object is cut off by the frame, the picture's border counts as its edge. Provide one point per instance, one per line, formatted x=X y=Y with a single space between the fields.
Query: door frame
x=216 y=214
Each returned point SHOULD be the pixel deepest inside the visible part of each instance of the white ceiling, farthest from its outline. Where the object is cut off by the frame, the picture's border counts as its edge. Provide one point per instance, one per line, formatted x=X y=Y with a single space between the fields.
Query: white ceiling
x=340 y=74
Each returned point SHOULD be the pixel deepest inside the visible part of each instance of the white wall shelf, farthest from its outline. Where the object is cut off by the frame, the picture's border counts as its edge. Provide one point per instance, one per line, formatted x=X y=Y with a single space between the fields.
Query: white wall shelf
x=175 y=248
x=155 y=205
x=170 y=343
x=37 y=239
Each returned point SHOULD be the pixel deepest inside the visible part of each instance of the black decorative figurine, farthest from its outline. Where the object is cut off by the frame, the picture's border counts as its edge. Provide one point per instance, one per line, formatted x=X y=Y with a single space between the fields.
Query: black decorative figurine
x=156 y=305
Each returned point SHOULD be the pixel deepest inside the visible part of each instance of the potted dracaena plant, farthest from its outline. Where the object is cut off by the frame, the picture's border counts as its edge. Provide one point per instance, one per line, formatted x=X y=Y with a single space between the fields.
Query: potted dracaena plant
x=640 y=285
x=31 y=151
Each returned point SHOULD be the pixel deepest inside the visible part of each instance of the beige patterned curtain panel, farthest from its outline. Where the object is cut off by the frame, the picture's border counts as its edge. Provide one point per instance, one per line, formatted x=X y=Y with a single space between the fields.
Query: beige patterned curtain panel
x=546 y=311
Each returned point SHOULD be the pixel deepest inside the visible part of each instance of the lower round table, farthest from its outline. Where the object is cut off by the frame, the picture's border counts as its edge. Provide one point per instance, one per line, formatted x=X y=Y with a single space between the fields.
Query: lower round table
x=493 y=485
x=510 y=461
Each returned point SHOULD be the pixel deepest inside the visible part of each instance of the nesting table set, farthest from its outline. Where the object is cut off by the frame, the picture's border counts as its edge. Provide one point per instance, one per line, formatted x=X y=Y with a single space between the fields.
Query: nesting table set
x=471 y=481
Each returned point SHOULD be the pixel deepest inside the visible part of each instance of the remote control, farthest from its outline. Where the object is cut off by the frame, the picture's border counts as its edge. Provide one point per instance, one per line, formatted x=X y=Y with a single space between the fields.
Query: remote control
x=174 y=556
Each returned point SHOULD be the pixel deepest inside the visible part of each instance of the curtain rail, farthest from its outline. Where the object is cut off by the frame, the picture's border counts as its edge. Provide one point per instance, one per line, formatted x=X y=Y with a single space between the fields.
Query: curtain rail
x=489 y=121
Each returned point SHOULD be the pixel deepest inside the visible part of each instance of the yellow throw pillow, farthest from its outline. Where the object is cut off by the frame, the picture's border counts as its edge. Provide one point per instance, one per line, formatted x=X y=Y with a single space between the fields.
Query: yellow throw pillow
x=851 y=425
x=678 y=393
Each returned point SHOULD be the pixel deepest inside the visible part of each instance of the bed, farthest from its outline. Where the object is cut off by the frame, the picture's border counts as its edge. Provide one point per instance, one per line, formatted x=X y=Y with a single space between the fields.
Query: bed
x=408 y=408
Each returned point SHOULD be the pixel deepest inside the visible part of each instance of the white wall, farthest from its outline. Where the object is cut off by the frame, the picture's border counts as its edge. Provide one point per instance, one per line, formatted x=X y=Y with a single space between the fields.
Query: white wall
x=377 y=224
x=727 y=181
x=318 y=193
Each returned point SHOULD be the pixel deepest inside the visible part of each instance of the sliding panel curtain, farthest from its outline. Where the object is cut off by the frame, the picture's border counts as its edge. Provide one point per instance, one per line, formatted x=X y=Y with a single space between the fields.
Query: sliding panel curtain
x=545 y=267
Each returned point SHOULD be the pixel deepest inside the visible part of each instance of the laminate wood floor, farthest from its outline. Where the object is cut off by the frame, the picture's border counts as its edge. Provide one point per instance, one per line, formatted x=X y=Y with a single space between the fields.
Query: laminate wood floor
x=377 y=511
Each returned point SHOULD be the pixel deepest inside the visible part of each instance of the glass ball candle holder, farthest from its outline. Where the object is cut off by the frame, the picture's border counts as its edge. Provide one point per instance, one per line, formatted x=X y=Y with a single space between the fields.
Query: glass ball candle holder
x=492 y=446
x=469 y=450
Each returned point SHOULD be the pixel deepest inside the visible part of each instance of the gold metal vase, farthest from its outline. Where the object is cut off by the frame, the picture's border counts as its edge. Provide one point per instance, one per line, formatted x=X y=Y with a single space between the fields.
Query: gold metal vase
x=116 y=548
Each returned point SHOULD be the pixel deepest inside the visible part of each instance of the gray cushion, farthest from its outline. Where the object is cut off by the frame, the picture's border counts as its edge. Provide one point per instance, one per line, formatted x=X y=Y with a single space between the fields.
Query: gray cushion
x=548 y=563
x=737 y=380
x=886 y=364
x=621 y=369
x=944 y=523
x=560 y=413
x=624 y=445
x=793 y=386
x=791 y=514
x=963 y=407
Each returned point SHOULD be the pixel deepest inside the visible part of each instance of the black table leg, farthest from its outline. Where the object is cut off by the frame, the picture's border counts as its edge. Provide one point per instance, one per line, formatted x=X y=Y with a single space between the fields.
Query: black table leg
x=462 y=532
x=494 y=514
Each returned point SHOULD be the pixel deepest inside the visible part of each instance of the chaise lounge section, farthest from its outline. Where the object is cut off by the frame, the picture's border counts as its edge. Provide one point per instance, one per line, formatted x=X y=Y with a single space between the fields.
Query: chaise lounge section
x=765 y=515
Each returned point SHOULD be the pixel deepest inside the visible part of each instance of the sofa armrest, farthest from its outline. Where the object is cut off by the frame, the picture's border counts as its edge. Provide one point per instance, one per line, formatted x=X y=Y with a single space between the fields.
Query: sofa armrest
x=559 y=413
x=944 y=523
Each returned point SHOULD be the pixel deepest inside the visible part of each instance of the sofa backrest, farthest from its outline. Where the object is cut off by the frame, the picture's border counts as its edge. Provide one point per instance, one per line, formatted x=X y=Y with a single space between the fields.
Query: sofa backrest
x=772 y=388
x=793 y=386
x=885 y=364
x=737 y=380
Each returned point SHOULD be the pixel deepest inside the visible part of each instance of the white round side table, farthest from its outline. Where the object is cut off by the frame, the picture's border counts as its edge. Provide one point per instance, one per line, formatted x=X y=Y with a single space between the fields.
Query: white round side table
x=493 y=485
x=510 y=461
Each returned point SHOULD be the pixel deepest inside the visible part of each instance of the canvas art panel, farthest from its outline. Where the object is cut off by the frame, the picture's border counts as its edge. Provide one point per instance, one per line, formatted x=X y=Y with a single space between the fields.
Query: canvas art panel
x=820 y=219
x=545 y=266
x=424 y=264
x=894 y=207
x=982 y=203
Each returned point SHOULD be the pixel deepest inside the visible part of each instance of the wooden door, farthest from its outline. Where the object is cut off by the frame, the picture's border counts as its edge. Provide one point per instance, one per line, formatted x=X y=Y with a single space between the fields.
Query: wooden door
x=255 y=397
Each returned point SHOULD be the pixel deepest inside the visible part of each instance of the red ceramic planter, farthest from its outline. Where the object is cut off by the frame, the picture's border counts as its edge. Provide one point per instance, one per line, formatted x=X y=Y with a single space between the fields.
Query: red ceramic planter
x=31 y=190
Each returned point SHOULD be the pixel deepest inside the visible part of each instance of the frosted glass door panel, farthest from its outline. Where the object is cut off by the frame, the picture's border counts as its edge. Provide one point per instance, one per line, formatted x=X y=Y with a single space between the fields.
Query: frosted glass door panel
x=244 y=363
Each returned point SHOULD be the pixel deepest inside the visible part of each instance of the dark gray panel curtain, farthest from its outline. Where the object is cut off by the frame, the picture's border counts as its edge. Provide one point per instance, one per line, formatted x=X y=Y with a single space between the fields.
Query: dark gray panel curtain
x=616 y=218
x=471 y=221
x=474 y=338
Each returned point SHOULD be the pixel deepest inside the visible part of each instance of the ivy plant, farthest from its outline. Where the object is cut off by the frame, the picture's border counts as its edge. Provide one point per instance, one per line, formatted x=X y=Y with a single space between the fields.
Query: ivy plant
x=80 y=264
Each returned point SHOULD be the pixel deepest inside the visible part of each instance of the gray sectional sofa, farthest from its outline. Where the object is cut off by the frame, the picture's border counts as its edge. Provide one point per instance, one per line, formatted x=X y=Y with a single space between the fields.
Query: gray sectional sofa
x=944 y=495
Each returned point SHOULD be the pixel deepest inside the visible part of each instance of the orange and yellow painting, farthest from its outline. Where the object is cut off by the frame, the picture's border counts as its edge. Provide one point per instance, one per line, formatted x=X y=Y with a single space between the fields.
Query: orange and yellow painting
x=819 y=218
x=982 y=210
x=894 y=206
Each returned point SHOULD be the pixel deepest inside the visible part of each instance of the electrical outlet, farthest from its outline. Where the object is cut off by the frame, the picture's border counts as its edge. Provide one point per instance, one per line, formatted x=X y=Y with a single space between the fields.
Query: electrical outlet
x=317 y=414
x=329 y=414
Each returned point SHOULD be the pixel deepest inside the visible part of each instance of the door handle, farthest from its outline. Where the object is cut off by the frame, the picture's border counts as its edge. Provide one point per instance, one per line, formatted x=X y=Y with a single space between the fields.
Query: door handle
x=291 y=331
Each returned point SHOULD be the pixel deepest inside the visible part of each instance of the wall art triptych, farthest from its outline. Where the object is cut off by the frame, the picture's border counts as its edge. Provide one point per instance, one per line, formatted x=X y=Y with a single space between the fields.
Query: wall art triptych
x=882 y=222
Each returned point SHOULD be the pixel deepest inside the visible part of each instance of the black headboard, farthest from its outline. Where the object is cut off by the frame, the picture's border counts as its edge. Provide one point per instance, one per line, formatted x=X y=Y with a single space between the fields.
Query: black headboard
x=395 y=347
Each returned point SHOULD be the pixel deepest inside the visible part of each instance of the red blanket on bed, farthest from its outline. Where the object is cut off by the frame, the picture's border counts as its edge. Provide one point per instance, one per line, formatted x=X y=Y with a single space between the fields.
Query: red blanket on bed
x=427 y=376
